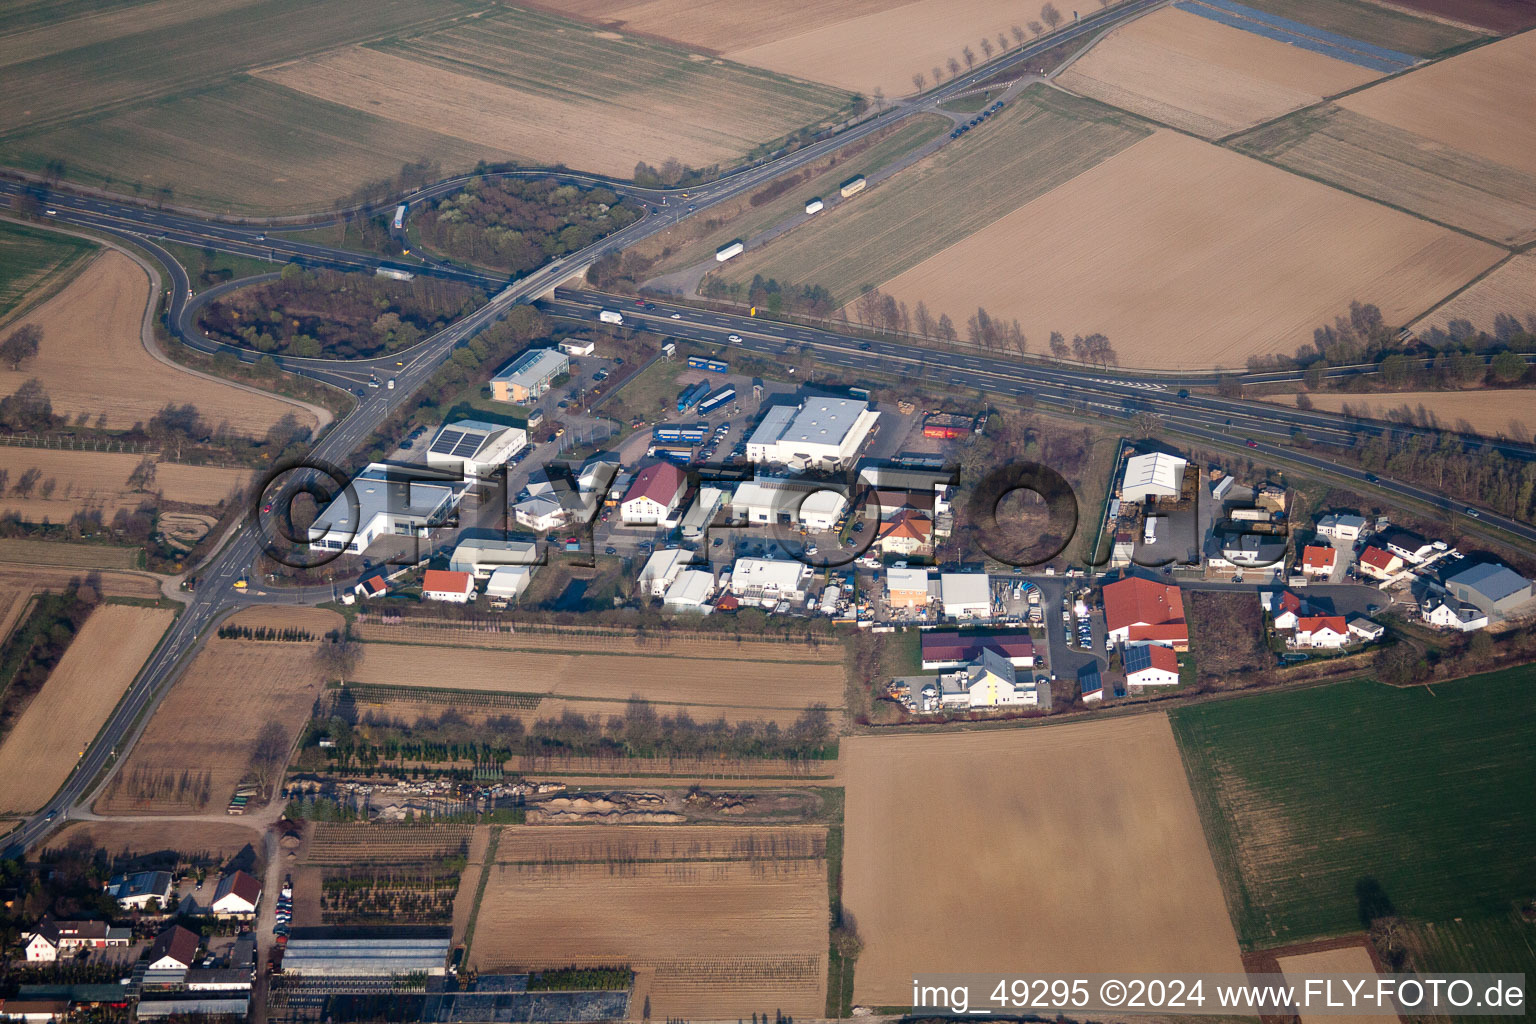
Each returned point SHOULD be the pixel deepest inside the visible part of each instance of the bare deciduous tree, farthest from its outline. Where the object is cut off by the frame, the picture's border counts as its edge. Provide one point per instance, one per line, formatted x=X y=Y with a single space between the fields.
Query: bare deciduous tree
x=954 y=67
x=924 y=319
x=1002 y=42
x=918 y=81
x=270 y=754
x=338 y=657
x=878 y=97
x=21 y=345
x=969 y=56
x=1050 y=15
x=1036 y=27
x=1018 y=35
x=986 y=49
x=938 y=74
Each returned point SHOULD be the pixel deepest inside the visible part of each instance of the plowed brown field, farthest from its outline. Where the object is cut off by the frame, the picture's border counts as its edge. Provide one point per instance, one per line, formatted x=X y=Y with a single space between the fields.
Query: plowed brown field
x=1511 y=289
x=210 y=720
x=216 y=838
x=64 y=717
x=1203 y=76
x=1344 y=960
x=1503 y=413
x=1033 y=847
x=539 y=844
x=1204 y=258
x=93 y=362
x=98 y=481
x=708 y=940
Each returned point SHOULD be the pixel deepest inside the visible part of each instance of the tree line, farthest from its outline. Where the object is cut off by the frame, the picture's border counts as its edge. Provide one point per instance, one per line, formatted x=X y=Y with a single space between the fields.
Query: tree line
x=1050 y=18
x=36 y=648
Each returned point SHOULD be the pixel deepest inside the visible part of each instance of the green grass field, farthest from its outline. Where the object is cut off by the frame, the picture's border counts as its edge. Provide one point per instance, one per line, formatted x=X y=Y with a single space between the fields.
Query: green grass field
x=35 y=264
x=690 y=249
x=1037 y=142
x=1306 y=794
x=1368 y=22
x=1503 y=942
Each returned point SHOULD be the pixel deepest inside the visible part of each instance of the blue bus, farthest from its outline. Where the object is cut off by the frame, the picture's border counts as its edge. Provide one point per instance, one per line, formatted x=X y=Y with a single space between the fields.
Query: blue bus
x=713 y=365
x=690 y=396
x=716 y=400
x=673 y=433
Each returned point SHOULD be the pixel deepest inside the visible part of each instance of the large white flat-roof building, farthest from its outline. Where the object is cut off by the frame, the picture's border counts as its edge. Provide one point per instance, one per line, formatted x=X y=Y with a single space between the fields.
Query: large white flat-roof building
x=481 y=557
x=474 y=447
x=805 y=503
x=383 y=501
x=1158 y=475
x=769 y=580
x=529 y=375
x=821 y=433
x=966 y=595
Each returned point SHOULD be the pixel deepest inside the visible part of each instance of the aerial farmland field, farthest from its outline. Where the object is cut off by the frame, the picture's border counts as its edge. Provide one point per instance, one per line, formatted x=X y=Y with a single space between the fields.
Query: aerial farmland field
x=1203 y=76
x=1493 y=413
x=210 y=722
x=99 y=481
x=92 y=360
x=1036 y=143
x=1447 y=141
x=125 y=837
x=712 y=927
x=858 y=45
x=1508 y=290
x=64 y=717
x=1185 y=269
x=1307 y=795
x=1389 y=25
x=1045 y=837
x=34 y=264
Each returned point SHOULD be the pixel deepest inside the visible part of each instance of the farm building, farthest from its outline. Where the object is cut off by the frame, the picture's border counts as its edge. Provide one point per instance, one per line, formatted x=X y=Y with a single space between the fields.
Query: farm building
x=820 y=433
x=966 y=595
x=474 y=448
x=382 y=501
x=1322 y=631
x=529 y=375
x=906 y=588
x=1495 y=590
x=944 y=650
x=905 y=533
x=1452 y=615
x=508 y=582
x=138 y=891
x=482 y=556
x=325 y=956
x=447 y=586
x=789 y=502
x=51 y=938
x=1138 y=610
x=706 y=505
x=1158 y=475
x=1151 y=665
x=1380 y=563
x=1317 y=560
x=690 y=591
x=1344 y=527
x=173 y=949
x=237 y=895
x=768 y=580
x=653 y=494
x=661 y=569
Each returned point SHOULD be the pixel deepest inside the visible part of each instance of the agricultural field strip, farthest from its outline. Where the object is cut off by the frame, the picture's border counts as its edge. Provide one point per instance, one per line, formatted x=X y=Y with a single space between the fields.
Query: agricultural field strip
x=1295 y=33
x=36 y=264
x=1039 y=141
x=541 y=844
x=524 y=643
x=447 y=633
x=334 y=843
x=1393 y=29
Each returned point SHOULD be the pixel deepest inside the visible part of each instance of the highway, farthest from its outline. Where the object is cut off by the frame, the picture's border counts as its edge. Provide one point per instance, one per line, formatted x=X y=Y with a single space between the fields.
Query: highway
x=216 y=595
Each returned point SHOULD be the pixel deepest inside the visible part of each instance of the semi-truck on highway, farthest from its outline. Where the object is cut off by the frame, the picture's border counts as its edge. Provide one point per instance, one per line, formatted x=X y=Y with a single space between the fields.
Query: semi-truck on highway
x=400 y=216
x=609 y=316
x=853 y=186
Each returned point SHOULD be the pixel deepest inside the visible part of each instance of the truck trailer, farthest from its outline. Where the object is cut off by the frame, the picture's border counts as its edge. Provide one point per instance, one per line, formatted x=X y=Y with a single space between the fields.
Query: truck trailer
x=853 y=187
x=716 y=400
x=610 y=316
x=691 y=396
x=400 y=216
x=725 y=252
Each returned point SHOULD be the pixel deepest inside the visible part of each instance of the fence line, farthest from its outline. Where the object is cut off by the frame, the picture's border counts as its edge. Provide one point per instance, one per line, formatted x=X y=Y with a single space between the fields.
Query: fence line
x=68 y=442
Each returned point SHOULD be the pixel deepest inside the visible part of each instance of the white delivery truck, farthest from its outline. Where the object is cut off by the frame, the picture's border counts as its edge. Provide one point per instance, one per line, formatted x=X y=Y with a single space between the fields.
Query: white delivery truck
x=611 y=316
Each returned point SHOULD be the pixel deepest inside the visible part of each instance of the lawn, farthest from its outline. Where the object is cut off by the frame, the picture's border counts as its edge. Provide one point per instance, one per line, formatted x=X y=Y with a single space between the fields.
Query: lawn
x=1037 y=142
x=651 y=394
x=1313 y=799
x=34 y=264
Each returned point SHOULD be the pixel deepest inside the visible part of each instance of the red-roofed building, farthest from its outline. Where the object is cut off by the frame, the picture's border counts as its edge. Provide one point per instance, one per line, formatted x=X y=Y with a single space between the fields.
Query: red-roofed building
x=237 y=895
x=1380 y=563
x=1317 y=560
x=905 y=533
x=1329 y=631
x=442 y=585
x=174 y=948
x=956 y=649
x=653 y=494
x=1151 y=665
x=1138 y=610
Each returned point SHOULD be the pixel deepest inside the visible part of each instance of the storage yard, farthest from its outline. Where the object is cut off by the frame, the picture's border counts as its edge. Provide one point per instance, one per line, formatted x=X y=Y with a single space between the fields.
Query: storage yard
x=1205 y=77
x=201 y=742
x=1231 y=278
x=1041 y=835
x=92 y=360
x=62 y=720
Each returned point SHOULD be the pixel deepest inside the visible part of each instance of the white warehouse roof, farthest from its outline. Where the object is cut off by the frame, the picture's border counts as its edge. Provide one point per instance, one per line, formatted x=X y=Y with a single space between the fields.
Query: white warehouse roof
x=906 y=579
x=767 y=575
x=509 y=581
x=690 y=590
x=961 y=590
x=1158 y=475
x=365 y=957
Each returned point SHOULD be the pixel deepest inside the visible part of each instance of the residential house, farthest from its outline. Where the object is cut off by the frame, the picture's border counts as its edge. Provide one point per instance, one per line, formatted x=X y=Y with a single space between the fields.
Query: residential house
x=905 y=533
x=1452 y=615
x=1151 y=665
x=447 y=586
x=906 y=588
x=143 y=890
x=653 y=494
x=1494 y=589
x=540 y=512
x=1284 y=608
x=1405 y=544
x=1139 y=610
x=173 y=949
x=51 y=939
x=1317 y=560
x=989 y=682
x=237 y=895
x=1380 y=563
x=1322 y=631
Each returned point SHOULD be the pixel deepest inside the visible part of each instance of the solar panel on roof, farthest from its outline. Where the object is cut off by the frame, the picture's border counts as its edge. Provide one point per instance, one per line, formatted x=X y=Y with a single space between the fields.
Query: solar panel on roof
x=446 y=440
x=468 y=445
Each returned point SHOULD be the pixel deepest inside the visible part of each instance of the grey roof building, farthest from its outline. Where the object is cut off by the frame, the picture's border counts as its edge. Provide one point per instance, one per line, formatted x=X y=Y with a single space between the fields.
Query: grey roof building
x=1495 y=589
